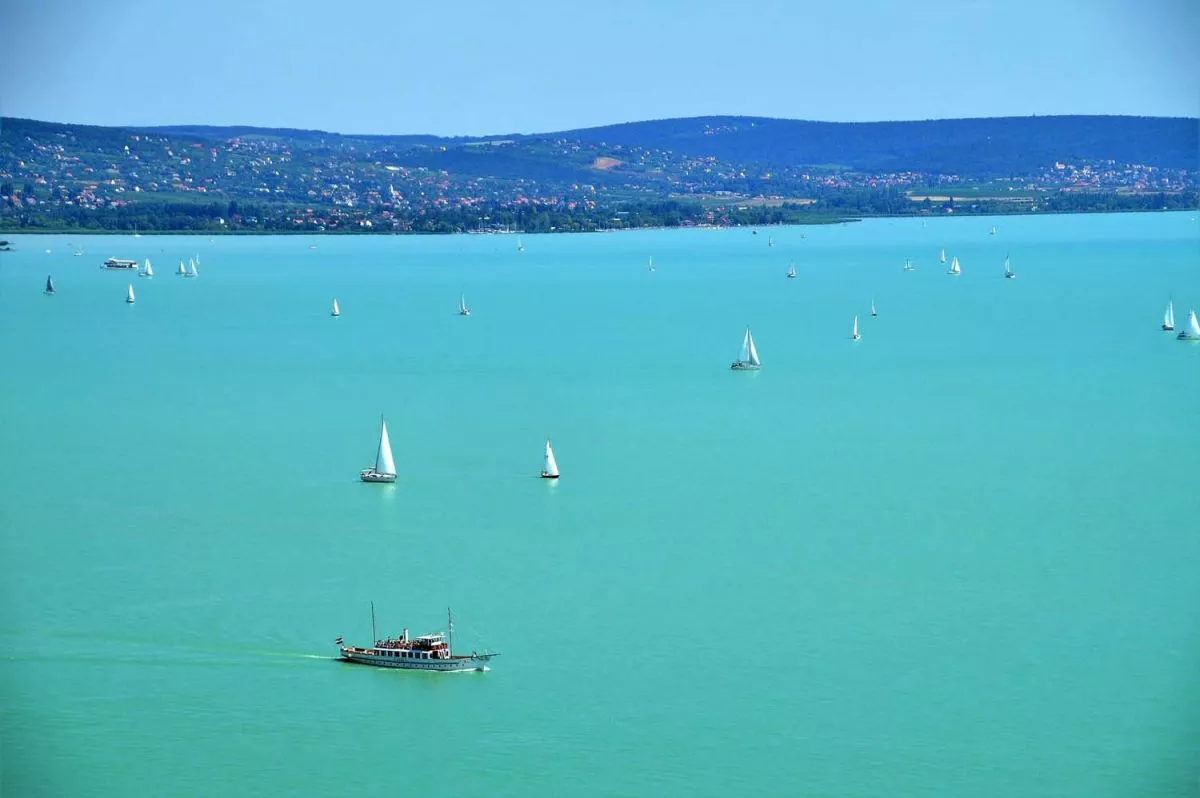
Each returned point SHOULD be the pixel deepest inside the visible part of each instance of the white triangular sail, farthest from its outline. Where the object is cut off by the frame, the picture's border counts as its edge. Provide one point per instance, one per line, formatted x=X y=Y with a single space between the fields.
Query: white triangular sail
x=1169 y=316
x=383 y=458
x=954 y=267
x=749 y=350
x=520 y=246
x=651 y=264
x=791 y=270
x=854 y=331
x=129 y=294
x=1007 y=267
x=182 y=269
x=149 y=270
x=873 y=312
x=463 y=310
x=1193 y=325
x=191 y=268
x=336 y=310
x=942 y=257
x=550 y=466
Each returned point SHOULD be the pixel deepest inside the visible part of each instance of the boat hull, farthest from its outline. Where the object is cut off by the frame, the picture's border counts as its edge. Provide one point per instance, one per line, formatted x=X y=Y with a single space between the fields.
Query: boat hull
x=374 y=476
x=740 y=366
x=1186 y=336
x=1168 y=328
x=549 y=476
x=379 y=658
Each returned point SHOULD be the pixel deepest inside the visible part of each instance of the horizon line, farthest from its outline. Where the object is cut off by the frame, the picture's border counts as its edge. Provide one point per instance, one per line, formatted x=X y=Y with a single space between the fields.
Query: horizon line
x=154 y=127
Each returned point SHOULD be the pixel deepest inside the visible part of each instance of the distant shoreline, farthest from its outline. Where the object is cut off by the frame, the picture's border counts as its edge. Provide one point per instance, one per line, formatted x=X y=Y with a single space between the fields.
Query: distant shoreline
x=14 y=231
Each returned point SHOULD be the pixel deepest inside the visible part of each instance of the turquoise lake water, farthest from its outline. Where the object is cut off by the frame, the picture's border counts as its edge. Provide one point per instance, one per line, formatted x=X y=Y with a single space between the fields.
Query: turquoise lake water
x=958 y=557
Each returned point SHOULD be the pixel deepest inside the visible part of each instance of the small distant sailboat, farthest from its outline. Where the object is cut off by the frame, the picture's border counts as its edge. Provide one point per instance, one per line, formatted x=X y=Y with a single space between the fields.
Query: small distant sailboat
x=1009 y=274
x=908 y=266
x=384 y=469
x=954 y=269
x=463 y=310
x=854 y=334
x=1169 y=317
x=550 y=466
x=520 y=246
x=791 y=270
x=191 y=272
x=650 y=265
x=49 y=286
x=129 y=299
x=993 y=230
x=78 y=253
x=182 y=270
x=148 y=271
x=197 y=259
x=336 y=310
x=748 y=359
x=873 y=311
x=1192 y=331
x=942 y=257
x=770 y=241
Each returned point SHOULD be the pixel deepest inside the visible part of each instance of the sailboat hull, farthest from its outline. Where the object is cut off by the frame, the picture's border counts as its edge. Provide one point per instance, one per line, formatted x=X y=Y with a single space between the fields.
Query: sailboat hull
x=371 y=475
x=549 y=476
x=1187 y=336
x=1168 y=327
x=740 y=366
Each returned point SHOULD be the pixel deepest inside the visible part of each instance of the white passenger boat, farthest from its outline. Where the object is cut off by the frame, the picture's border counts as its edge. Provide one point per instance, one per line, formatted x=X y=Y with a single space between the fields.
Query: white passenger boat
x=432 y=652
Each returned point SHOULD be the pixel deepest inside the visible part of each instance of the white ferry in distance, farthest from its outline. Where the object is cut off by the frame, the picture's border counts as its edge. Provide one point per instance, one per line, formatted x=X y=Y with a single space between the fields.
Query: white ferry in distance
x=432 y=652
x=120 y=263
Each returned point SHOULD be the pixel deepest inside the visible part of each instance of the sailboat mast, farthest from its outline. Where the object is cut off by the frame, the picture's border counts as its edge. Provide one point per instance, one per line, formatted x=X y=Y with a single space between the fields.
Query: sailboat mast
x=373 y=637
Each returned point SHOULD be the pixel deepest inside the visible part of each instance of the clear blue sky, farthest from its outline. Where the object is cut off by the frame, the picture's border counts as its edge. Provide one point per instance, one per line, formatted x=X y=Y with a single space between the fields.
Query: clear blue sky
x=476 y=67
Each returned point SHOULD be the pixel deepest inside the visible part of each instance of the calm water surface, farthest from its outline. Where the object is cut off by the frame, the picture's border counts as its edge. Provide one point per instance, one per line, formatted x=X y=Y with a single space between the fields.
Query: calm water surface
x=957 y=557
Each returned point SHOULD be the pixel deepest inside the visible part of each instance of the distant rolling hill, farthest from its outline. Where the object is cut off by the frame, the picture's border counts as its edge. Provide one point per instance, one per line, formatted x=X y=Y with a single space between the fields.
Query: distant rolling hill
x=974 y=147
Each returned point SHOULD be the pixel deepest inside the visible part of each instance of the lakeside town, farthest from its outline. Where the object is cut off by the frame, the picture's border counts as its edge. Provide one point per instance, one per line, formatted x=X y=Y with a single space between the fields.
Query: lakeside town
x=73 y=177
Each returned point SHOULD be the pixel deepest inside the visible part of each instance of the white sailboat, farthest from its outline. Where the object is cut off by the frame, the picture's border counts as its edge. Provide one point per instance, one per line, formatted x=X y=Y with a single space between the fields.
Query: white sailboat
x=463 y=310
x=942 y=257
x=908 y=266
x=384 y=469
x=1009 y=274
x=954 y=269
x=650 y=267
x=993 y=230
x=550 y=466
x=182 y=270
x=770 y=241
x=873 y=311
x=1192 y=331
x=791 y=270
x=49 y=286
x=191 y=272
x=854 y=334
x=148 y=271
x=748 y=359
x=520 y=246
x=129 y=299
x=336 y=310
x=1169 y=317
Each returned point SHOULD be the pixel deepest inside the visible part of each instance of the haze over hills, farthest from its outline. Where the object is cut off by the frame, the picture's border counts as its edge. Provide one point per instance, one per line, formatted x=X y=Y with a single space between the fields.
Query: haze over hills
x=694 y=170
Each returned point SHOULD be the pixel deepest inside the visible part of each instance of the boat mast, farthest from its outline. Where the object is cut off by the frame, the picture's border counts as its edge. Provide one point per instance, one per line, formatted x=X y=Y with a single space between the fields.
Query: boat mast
x=450 y=630
x=373 y=638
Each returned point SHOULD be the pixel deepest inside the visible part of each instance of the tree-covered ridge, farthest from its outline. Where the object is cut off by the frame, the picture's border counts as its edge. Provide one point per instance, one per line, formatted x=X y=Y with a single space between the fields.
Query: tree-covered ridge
x=971 y=148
